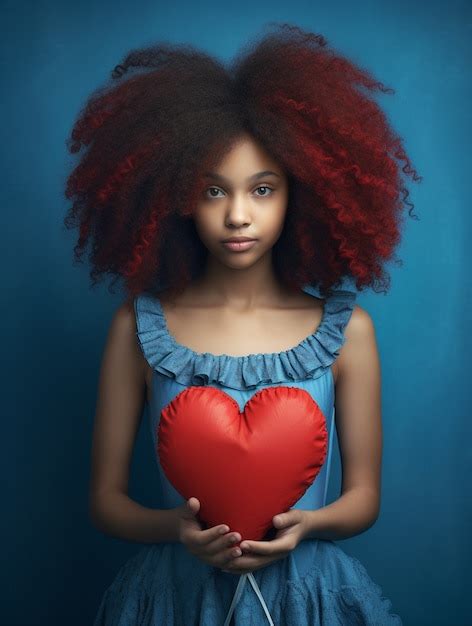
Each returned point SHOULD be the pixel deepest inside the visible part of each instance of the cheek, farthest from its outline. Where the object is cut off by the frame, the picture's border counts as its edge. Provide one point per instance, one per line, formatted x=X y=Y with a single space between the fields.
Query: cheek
x=274 y=222
x=206 y=229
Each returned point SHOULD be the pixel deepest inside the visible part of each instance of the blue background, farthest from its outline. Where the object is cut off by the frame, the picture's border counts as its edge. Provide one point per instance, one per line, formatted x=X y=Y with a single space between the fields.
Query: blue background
x=56 y=565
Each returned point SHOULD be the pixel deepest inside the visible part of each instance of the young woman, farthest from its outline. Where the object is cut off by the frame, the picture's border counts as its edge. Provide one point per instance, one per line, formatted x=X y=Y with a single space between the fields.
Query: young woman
x=283 y=148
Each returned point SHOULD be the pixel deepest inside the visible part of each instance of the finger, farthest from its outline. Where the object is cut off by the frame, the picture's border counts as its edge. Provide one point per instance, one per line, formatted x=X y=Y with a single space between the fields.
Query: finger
x=226 y=544
x=232 y=554
x=210 y=534
x=244 y=564
x=286 y=519
x=187 y=511
x=193 y=505
x=229 y=559
x=266 y=547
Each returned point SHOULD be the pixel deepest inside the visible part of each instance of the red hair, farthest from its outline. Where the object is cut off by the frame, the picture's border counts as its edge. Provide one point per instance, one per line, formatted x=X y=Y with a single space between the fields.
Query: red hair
x=151 y=137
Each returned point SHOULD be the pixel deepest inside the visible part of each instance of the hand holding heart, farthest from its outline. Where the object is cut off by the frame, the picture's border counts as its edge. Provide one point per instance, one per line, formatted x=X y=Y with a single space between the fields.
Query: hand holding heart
x=215 y=548
x=211 y=545
x=291 y=529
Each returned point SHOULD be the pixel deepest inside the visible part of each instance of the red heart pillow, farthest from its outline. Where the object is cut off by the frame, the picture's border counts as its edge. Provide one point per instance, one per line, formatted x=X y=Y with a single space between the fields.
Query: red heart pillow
x=244 y=468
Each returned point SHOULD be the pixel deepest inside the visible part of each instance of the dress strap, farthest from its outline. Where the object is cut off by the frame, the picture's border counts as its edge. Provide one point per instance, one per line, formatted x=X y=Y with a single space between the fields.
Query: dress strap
x=309 y=359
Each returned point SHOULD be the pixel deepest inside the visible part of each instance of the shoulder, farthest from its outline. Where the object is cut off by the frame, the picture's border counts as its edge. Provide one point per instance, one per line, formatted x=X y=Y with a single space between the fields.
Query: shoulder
x=122 y=334
x=360 y=325
x=123 y=322
x=360 y=341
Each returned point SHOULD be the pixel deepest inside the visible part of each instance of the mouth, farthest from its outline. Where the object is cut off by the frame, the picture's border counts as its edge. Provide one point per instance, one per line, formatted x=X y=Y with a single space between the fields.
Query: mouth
x=239 y=245
x=238 y=239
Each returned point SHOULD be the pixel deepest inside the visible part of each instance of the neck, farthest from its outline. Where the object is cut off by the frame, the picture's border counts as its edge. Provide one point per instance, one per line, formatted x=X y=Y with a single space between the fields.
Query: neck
x=240 y=289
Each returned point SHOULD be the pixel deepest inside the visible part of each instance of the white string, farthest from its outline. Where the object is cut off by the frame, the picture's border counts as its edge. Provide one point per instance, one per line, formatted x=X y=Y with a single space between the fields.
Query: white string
x=255 y=586
x=238 y=594
x=236 y=597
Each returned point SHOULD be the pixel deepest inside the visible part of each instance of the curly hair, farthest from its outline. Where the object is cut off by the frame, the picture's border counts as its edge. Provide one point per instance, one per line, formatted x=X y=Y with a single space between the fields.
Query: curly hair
x=151 y=137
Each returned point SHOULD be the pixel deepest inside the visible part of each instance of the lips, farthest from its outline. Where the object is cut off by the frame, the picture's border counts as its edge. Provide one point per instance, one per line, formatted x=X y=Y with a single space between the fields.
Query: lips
x=239 y=246
x=238 y=239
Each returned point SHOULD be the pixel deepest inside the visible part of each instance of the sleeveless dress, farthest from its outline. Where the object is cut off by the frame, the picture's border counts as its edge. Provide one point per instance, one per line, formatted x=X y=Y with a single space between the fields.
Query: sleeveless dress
x=317 y=583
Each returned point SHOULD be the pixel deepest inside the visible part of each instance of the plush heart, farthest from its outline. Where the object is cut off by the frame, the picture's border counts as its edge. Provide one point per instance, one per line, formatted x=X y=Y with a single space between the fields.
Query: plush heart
x=244 y=467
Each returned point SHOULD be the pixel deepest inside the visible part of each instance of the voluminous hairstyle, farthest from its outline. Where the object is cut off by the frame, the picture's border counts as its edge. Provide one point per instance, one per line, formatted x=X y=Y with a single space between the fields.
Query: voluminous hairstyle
x=150 y=138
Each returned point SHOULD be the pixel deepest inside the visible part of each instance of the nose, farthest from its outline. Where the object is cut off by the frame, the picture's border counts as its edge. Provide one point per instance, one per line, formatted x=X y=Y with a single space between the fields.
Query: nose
x=237 y=212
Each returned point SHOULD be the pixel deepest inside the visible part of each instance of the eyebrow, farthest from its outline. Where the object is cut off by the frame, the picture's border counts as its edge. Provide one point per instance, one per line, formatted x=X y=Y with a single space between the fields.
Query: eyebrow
x=250 y=179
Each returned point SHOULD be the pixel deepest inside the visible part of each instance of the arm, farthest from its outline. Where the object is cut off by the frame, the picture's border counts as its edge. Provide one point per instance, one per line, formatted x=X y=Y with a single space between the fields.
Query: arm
x=359 y=430
x=121 y=396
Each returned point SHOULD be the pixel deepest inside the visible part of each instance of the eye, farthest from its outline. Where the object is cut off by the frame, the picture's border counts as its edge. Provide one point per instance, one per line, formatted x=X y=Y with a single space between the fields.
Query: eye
x=211 y=195
x=209 y=189
x=265 y=187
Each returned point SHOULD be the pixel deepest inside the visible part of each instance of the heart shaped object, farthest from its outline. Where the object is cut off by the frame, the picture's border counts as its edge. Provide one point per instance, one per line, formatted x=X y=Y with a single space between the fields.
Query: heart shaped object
x=244 y=467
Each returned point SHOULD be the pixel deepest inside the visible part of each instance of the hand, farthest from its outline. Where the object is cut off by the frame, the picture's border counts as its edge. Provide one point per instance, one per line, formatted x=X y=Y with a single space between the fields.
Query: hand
x=292 y=528
x=210 y=545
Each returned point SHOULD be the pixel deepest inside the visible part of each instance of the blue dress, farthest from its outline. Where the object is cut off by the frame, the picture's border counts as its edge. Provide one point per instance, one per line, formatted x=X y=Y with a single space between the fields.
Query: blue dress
x=317 y=583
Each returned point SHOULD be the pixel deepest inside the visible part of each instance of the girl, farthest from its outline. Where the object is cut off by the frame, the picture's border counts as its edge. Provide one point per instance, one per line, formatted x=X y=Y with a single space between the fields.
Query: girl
x=283 y=149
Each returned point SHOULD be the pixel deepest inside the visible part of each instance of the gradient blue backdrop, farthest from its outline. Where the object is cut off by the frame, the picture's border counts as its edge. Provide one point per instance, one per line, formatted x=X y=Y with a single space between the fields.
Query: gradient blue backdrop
x=56 y=565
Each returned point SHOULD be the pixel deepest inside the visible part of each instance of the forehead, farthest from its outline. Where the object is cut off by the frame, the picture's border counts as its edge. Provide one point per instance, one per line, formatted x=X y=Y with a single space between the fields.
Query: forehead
x=247 y=161
x=249 y=179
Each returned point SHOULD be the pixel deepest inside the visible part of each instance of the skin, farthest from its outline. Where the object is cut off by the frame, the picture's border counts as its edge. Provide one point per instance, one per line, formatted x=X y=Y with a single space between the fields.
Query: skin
x=238 y=303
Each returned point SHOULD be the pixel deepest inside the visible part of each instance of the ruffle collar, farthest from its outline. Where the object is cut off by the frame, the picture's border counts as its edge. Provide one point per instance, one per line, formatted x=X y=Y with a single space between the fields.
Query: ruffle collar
x=308 y=359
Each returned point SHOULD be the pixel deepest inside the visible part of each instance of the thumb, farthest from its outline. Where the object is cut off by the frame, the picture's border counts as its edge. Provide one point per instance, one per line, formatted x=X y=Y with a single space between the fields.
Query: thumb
x=193 y=505
x=283 y=519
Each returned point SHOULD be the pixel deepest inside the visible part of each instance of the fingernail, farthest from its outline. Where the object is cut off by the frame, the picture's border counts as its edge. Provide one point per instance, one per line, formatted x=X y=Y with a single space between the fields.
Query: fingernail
x=224 y=530
x=237 y=552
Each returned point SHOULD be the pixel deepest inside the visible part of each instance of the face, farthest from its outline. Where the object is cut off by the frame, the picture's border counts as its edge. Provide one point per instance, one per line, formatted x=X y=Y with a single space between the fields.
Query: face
x=246 y=196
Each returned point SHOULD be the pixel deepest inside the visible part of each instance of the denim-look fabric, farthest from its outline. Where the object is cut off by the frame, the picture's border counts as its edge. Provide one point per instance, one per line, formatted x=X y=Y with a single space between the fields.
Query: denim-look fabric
x=317 y=583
